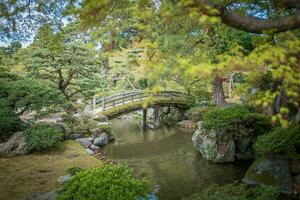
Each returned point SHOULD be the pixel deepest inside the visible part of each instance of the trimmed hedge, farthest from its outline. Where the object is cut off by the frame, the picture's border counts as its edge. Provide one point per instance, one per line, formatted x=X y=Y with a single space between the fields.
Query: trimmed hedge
x=42 y=136
x=279 y=140
x=9 y=120
x=106 y=183
x=236 y=118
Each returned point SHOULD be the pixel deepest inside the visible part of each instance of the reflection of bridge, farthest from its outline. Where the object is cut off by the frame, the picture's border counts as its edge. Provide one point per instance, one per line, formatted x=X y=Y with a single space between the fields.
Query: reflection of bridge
x=123 y=103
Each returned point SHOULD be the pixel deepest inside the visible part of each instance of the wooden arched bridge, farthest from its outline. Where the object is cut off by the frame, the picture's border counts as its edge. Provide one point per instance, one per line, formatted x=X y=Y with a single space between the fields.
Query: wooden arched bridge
x=123 y=103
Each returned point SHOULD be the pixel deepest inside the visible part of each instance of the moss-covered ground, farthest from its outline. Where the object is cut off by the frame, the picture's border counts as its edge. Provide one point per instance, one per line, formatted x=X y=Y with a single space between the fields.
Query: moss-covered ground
x=38 y=172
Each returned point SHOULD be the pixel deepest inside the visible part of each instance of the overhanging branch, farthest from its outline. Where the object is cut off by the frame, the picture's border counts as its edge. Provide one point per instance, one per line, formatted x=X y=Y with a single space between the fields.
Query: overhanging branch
x=258 y=25
x=254 y=24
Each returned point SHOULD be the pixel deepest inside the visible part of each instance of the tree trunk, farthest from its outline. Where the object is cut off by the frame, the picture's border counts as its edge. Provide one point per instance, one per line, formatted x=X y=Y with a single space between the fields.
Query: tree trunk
x=218 y=93
x=113 y=41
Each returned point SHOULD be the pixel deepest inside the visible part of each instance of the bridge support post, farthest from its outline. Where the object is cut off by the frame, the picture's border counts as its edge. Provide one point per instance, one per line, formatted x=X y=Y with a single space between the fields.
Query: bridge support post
x=145 y=118
x=156 y=116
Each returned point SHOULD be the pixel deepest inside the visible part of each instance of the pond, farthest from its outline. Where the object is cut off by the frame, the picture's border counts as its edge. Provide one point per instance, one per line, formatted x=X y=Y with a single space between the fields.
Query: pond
x=167 y=157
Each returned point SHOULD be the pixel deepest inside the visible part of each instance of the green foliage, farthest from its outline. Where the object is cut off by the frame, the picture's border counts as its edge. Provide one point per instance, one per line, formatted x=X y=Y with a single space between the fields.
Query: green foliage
x=235 y=118
x=237 y=191
x=107 y=182
x=25 y=95
x=274 y=73
x=16 y=28
x=42 y=136
x=74 y=170
x=106 y=129
x=28 y=95
x=70 y=65
x=9 y=120
x=82 y=125
x=196 y=113
x=280 y=140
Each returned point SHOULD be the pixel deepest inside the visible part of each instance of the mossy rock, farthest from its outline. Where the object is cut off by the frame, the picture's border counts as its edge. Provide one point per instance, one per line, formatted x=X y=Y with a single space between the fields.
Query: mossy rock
x=273 y=170
x=214 y=146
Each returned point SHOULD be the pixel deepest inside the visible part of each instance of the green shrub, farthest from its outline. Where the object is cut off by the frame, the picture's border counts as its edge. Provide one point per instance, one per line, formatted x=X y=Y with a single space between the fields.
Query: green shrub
x=82 y=125
x=107 y=182
x=42 y=136
x=196 y=113
x=9 y=120
x=197 y=96
x=279 y=140
x=236 y=118
x=237 y=192
x=106 y=129
x=74 y=170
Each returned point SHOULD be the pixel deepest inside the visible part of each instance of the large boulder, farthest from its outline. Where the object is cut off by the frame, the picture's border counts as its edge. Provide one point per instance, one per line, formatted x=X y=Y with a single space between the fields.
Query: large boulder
x=101 y=140
x=85 y=142
x=214 y=146
x=16 y=145
x=271 y=170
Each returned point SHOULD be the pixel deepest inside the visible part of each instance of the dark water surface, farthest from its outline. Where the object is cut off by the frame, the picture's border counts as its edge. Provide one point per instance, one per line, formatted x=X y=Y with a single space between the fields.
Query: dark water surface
x=168 y=159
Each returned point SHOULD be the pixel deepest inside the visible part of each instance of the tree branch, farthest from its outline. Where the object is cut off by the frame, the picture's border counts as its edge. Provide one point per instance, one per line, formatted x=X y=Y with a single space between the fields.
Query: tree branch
x=258 y=25
x=76 y=92
x=254 y=24
x=68 y=80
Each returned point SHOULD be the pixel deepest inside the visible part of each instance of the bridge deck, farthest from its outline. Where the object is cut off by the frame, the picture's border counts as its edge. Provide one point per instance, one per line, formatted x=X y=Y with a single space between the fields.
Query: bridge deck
x=120 y=102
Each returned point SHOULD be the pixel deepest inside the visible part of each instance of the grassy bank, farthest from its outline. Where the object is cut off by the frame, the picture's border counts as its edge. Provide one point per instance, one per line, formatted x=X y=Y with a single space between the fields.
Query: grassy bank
x=38 y=172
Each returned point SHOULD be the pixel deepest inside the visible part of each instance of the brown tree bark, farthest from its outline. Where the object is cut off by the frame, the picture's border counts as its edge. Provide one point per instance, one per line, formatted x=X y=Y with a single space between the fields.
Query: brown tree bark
x=254 y=24
x=218 y=92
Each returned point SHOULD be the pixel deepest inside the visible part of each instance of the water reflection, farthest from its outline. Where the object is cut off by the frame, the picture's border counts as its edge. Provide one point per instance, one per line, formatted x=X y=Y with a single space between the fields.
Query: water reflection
x=167 y=157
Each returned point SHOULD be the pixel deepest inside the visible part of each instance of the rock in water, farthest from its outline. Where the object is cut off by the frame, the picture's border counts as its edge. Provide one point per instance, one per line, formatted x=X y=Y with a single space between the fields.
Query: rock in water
x=85 y=142
x=271 y=170
x=90 y=151
x=214 y=146
x=16 y=145
x=101 y=140
x=94 y=147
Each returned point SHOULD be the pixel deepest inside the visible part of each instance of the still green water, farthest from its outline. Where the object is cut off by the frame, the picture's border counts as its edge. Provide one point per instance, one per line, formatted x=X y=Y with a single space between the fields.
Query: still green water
x=167 y=157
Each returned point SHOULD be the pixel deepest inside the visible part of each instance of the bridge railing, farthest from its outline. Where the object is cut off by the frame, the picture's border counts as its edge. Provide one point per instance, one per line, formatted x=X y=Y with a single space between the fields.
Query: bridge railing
x=124 y=98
